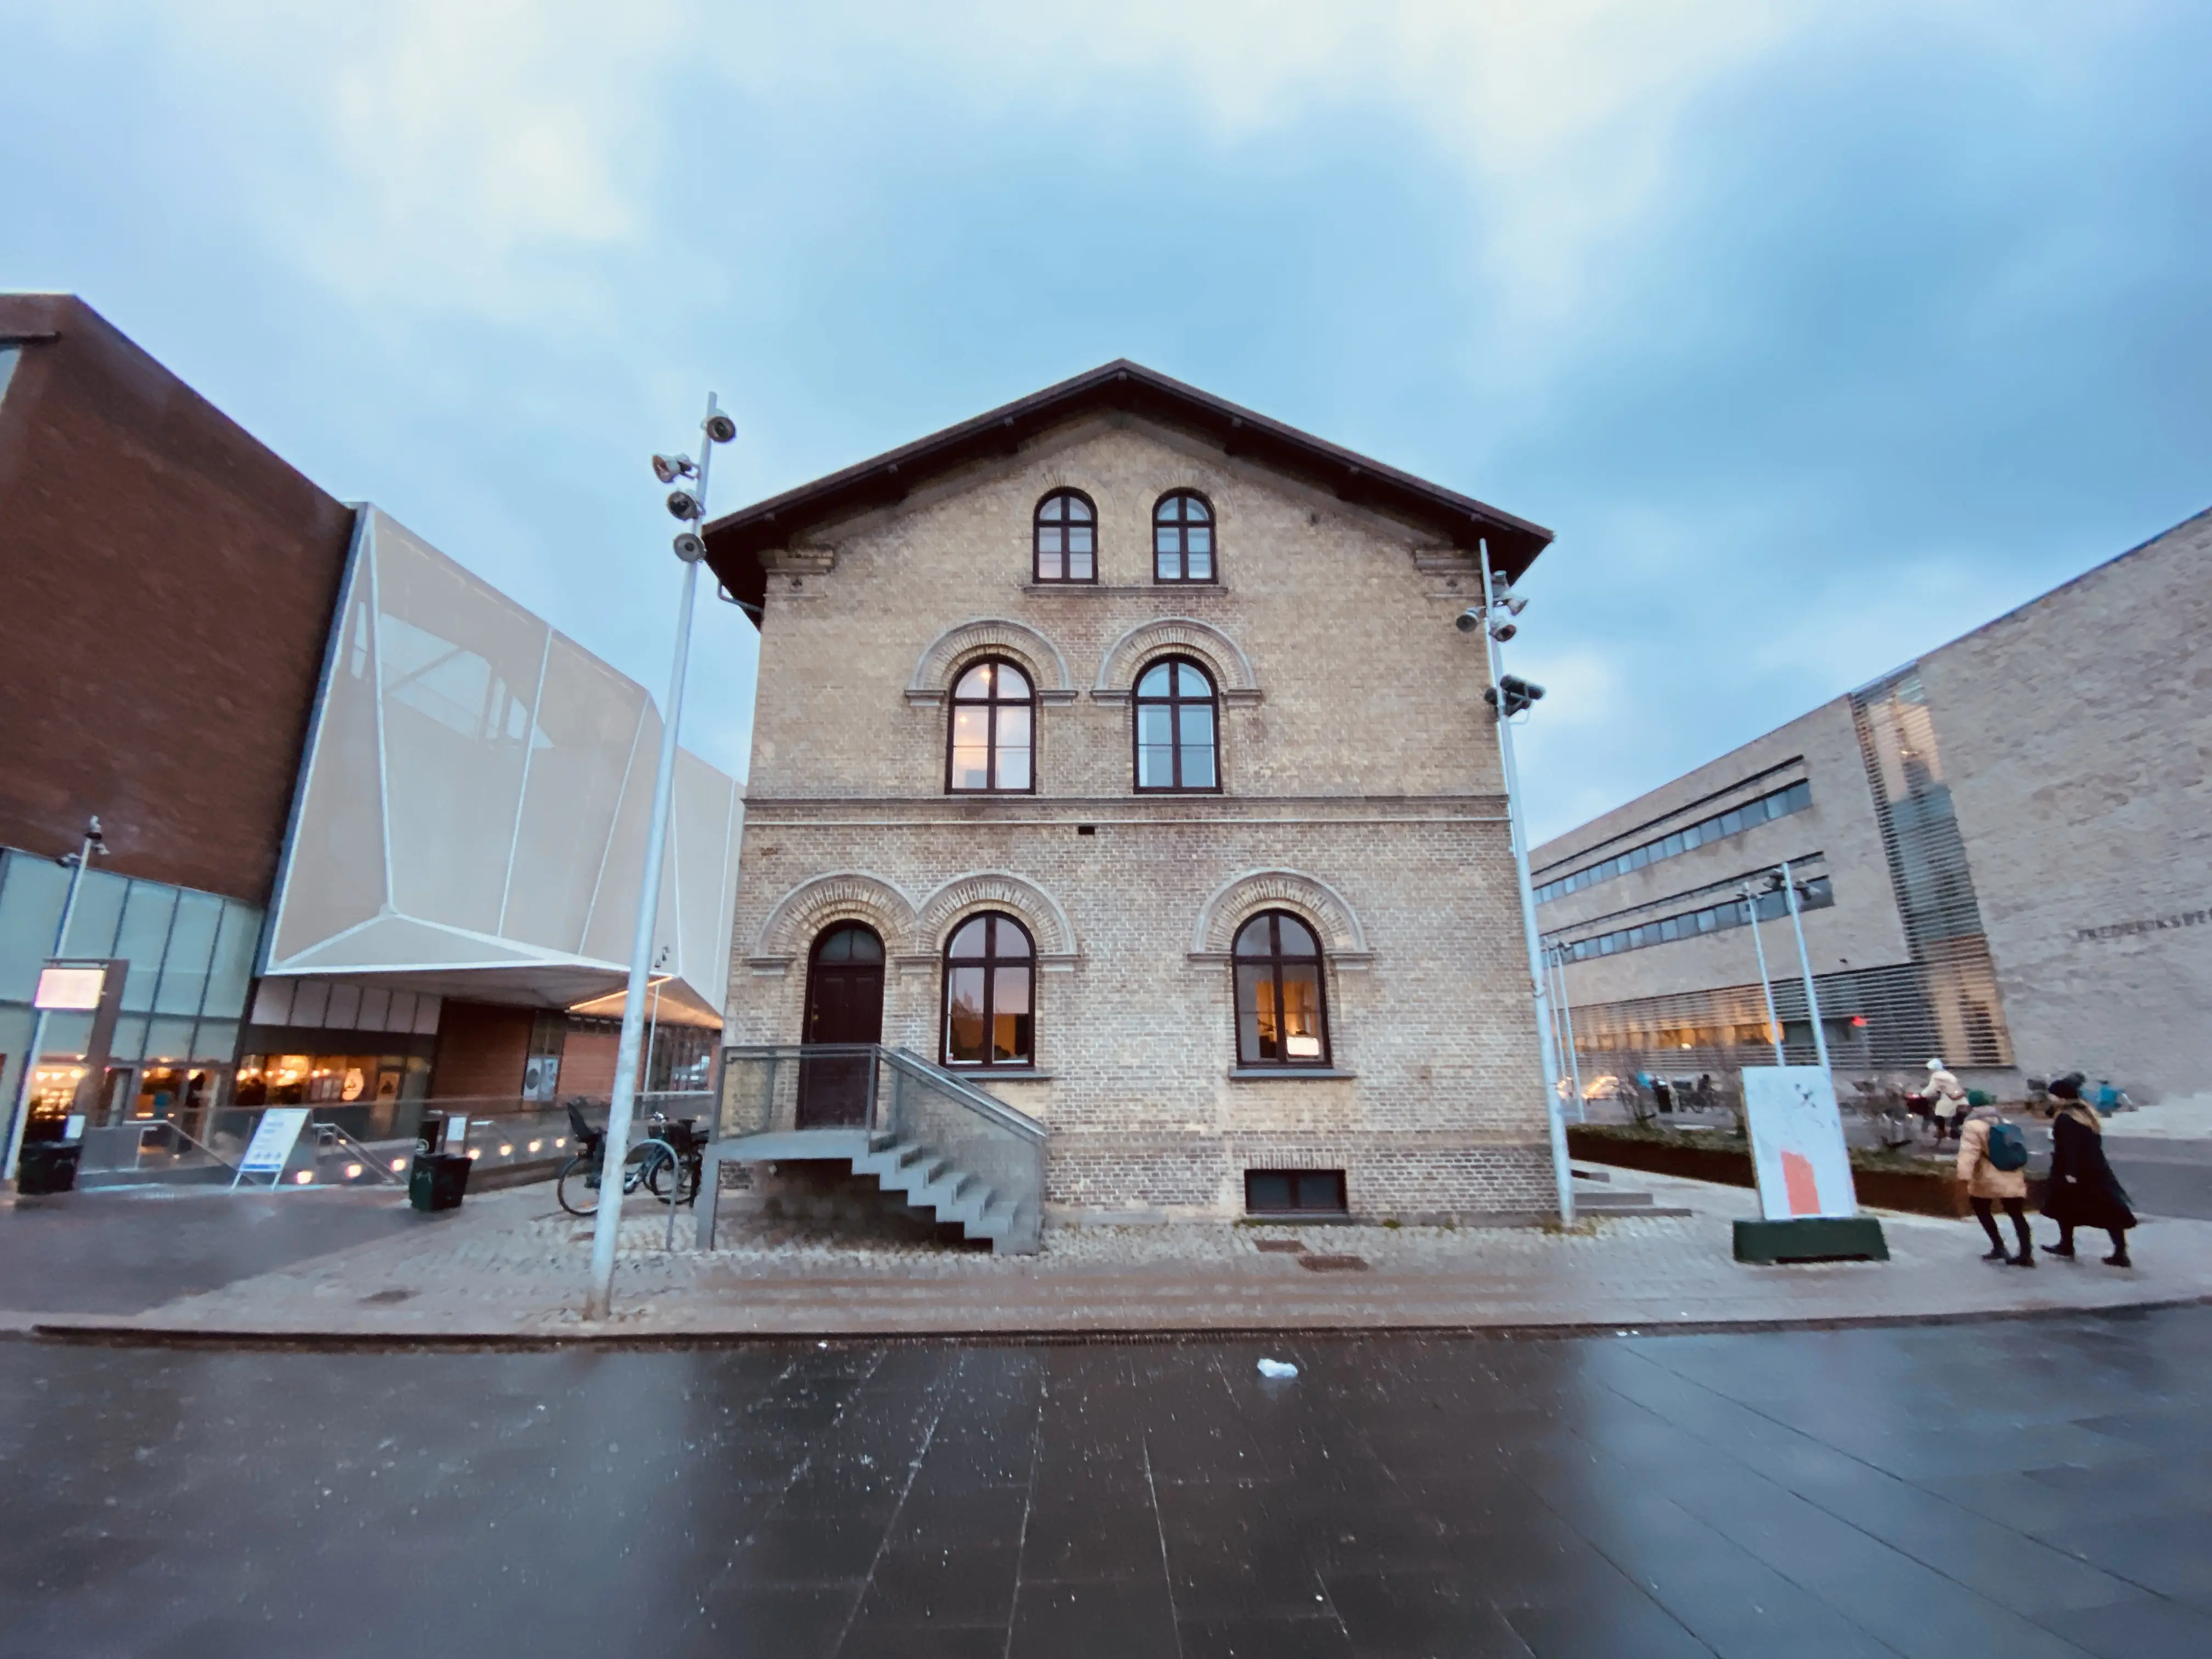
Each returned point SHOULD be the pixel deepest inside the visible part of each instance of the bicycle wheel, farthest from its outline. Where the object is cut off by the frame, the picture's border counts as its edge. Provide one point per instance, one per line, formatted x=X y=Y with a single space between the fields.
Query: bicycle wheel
x=578 y=1189
x=657 y=1172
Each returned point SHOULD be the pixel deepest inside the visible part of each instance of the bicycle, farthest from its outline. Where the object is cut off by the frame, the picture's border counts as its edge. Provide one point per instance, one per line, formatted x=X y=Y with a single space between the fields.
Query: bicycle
x=651 y=1164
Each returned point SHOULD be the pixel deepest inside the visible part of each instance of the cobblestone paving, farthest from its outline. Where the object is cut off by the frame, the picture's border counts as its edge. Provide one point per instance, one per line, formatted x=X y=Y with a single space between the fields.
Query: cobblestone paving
x=510 y=1266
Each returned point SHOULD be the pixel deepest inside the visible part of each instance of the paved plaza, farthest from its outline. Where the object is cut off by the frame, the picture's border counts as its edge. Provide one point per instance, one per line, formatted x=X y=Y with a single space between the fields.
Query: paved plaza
x=2027 y=1488
x=511 y=1267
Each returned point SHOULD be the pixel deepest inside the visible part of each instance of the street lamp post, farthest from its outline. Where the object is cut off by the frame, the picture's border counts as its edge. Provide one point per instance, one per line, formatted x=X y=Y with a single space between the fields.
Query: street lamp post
x=94 y=846
x=690 y=507
x=1567 y=1029
x=1766 y=985
x=1506 y=698
x=1805 y=967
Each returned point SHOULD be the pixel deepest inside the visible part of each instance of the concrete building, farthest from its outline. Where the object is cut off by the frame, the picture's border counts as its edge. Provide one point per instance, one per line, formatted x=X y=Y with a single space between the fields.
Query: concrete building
x=1114 y=749
x=2006 y=845
x=374 y=831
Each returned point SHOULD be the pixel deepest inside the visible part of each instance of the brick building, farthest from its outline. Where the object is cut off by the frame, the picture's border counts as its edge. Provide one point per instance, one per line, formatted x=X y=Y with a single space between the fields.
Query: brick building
x=374 y=831
x=1116 y=748
x=2006 y=845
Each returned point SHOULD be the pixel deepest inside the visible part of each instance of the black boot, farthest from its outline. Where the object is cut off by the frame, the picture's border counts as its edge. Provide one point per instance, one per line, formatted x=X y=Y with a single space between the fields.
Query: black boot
x=2063 y=1250
x=2119 y=1259
x=1995 y=1253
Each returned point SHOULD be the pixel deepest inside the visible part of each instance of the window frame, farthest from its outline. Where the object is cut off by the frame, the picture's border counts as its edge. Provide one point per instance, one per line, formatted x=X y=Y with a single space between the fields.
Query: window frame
x=990 y=962
x=1037 y=540
x=1181 y=526
x=954 y=704
x=1175 y=701
x=1275 y=961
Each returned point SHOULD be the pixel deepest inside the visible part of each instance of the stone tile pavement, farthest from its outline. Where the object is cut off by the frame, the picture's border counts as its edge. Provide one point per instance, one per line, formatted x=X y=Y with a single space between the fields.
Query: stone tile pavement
x=511 y=1267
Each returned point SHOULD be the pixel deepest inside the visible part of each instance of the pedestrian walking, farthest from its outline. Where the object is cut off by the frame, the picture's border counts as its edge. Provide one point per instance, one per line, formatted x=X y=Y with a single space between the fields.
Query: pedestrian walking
x=2083 y=1192
x=1993 y=1163
x=1946 y=1101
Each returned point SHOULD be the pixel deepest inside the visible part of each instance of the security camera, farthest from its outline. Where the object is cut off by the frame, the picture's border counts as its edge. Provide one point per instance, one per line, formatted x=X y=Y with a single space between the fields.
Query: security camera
x=683 y=505
x=1514 y=604
x=690 y=547
x=1468 y=620
x=669 y=468
x=721 y=428
x=1503 y=631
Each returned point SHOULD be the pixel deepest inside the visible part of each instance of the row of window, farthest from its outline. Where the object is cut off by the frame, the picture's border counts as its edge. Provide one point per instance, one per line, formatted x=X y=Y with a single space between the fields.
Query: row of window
x=990 y=990
x=1066 y=539
x=1815 y=895
x=991 y=739
x=1779 y=804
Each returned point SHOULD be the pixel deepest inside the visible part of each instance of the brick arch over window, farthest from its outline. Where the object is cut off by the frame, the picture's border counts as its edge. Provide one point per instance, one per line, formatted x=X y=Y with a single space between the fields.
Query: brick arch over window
x=994 y=890
x=1183 y=636
x=1343 y=940
x=1029 y=650
x=845 y=895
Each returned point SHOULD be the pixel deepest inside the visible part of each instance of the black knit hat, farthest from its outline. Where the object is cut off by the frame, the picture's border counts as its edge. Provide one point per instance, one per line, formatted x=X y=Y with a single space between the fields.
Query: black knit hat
x=2068 y=1087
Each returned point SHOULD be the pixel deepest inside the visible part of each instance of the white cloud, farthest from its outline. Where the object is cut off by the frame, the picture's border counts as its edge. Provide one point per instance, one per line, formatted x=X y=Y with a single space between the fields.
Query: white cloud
x=472 y=156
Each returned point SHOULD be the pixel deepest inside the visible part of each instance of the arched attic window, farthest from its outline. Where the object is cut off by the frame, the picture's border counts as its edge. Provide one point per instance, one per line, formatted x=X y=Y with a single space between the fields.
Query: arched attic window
x=1183 y=538
x=1066 y=539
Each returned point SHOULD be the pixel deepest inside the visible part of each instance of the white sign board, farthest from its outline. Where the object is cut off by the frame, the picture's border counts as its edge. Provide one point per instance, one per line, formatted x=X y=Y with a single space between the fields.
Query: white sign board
x=1797 y=1143
x=76 y=988
x=271 y=1149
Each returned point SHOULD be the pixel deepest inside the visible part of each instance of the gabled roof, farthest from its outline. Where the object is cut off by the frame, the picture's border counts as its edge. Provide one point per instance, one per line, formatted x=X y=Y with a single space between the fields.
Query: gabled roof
x=735 y=543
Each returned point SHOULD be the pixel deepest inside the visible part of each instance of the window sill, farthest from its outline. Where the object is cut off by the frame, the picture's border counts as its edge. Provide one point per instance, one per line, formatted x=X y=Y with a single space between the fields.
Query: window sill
x=1287 y=1073
x=1124 y=591
x=1000 y=1074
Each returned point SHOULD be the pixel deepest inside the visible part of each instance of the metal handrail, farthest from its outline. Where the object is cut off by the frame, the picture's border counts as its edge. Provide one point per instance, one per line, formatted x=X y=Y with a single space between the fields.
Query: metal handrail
x=369 y=1160
x=986 y=1105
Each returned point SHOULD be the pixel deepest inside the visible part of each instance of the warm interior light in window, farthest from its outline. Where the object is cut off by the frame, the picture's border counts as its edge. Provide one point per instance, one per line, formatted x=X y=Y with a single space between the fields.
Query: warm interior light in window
x=1302 y=1047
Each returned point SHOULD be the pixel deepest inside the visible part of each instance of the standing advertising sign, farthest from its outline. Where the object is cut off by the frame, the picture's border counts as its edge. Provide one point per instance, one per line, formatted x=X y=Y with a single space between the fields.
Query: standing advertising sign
x=271 y=1149
x=1797 y=1143
x=1806 y=1197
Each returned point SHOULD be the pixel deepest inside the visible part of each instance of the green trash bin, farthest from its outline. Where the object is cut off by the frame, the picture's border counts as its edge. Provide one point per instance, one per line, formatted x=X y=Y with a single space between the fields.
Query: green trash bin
x=47 y=1166
x=438 y=1181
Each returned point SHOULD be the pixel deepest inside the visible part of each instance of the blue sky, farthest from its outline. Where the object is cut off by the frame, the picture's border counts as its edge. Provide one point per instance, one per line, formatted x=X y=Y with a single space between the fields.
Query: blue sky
x=1820 y=333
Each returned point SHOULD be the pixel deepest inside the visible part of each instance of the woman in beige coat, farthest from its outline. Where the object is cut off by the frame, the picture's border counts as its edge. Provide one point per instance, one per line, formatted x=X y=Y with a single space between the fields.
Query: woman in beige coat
x=1987 y=1185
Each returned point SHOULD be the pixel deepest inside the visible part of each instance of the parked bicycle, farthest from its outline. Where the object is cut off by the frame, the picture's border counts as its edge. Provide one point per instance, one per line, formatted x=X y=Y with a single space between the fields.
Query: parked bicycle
x=667 y=1165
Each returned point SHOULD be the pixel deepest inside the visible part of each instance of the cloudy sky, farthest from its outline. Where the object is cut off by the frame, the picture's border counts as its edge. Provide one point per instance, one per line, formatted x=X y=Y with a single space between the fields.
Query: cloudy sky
x=1820 y=332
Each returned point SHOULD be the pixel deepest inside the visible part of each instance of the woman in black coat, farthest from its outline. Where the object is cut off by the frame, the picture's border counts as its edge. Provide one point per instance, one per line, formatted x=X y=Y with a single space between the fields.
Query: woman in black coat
x=2083 y=1192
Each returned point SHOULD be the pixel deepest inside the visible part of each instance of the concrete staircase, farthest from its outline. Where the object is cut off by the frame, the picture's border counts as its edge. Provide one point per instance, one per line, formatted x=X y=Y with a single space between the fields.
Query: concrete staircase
x=1595 y=1194
x=907 y=1172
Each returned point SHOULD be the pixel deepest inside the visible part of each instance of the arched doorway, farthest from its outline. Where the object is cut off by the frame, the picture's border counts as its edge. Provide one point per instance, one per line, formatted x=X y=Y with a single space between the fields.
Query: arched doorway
x=844 y=1004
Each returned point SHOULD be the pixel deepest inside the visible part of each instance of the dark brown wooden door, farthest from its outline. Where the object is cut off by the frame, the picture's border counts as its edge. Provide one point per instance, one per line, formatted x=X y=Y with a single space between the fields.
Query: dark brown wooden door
x=844 y=1004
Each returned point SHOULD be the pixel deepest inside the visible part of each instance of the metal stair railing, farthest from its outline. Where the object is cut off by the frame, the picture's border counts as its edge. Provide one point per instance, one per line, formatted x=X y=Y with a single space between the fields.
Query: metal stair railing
x=902 y=1098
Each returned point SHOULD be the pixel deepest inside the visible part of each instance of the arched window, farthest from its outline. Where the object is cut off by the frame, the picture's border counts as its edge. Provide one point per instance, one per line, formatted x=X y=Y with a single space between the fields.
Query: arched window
x=989 y=1017
x=993 y=715
x=1282 y=1019
x=1175 y=737
x=1183 y=538
x=1067 y=537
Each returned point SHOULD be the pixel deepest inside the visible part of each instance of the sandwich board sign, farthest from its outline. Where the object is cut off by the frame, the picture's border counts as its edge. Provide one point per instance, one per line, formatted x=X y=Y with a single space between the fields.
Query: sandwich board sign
x=1797 y=1143
x=271 y=1149
x=1810 y=1208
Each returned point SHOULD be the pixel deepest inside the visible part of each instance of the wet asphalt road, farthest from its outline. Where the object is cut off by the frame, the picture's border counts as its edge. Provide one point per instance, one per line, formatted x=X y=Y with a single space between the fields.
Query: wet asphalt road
x=2022 y=1488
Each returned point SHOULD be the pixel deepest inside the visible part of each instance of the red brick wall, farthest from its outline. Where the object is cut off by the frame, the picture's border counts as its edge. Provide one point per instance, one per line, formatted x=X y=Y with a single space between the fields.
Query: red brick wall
x=587 y=1063
x=482 y=1049
x=165 y=588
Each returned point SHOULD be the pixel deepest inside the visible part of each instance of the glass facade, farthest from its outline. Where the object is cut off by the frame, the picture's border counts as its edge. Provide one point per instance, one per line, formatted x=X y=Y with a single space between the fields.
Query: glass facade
x=1776 y=804
x=191 y=957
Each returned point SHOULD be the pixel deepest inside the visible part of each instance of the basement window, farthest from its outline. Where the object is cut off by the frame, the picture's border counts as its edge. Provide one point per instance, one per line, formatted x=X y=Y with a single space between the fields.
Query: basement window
x=1294 y=1192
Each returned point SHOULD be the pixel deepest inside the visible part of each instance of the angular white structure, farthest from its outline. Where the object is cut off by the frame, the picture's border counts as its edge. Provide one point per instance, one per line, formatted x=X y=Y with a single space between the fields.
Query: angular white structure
x=472 y=812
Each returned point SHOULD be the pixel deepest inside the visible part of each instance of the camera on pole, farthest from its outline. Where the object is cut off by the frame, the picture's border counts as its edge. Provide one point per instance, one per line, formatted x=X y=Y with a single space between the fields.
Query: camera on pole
x=1520 y=694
